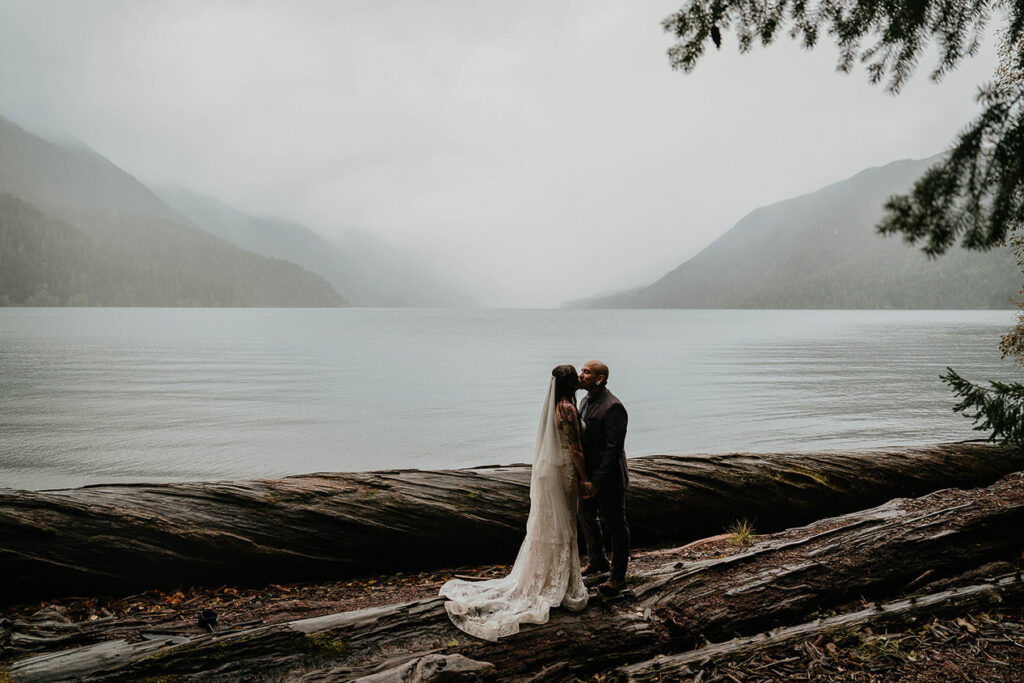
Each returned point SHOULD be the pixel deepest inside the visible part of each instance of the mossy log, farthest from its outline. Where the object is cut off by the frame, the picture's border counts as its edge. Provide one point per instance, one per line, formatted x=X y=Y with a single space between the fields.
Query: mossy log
x=789 y=579
x=121 y=539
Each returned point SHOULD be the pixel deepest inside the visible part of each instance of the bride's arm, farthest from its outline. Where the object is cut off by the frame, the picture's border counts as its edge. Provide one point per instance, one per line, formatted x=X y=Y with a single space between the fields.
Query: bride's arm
x=569 y=426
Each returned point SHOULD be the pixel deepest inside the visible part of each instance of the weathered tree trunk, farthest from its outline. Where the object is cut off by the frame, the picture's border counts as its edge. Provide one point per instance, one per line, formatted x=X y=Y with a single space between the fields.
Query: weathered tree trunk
x=786 y=580
x=897 y=613
x=121 y=539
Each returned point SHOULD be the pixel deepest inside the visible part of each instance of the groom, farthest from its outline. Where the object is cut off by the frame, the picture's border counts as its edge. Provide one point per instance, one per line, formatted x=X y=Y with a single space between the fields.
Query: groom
x=604 y=495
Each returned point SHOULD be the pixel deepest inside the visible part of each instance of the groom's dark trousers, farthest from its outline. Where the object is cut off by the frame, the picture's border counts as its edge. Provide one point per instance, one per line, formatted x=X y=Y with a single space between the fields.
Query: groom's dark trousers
x=604 y=454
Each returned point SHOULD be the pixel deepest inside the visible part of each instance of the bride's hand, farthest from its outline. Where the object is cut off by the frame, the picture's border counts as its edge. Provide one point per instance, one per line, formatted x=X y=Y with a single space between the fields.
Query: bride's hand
x=587 y=489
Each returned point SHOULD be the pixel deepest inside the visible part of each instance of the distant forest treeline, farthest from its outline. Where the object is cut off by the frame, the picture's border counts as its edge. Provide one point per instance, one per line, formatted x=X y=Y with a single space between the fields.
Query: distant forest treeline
x=124 y=259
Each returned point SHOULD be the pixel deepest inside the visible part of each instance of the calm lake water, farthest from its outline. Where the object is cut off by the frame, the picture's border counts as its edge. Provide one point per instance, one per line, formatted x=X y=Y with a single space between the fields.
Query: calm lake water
x=116 y=395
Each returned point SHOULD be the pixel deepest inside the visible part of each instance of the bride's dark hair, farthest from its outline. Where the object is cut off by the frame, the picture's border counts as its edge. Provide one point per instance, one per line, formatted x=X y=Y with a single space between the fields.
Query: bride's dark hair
x=567 y=381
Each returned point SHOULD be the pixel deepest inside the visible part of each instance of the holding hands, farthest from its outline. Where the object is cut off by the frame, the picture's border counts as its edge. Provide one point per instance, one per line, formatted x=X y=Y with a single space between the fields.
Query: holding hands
x=587 y=490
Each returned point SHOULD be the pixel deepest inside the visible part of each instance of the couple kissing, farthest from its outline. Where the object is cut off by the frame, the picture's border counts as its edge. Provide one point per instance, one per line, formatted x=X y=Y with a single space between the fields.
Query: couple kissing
x=579 y=476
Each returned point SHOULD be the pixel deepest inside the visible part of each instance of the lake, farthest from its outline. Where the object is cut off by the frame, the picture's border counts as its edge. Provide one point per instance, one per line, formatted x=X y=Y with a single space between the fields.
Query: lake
x=90 y=395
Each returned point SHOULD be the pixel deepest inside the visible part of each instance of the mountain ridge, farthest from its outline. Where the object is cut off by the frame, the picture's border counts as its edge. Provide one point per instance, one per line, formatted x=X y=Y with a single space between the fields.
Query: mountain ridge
x=367 y=271
x=821 y=250
x=61 y=178
x=117 y=244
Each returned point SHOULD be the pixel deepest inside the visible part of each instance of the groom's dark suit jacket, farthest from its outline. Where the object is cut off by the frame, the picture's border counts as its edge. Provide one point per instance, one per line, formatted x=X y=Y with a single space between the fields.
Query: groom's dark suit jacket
x=604 y=439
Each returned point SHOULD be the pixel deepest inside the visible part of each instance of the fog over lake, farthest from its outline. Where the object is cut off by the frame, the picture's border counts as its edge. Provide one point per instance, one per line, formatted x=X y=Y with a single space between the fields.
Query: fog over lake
x=117 y=395
x=536 y=155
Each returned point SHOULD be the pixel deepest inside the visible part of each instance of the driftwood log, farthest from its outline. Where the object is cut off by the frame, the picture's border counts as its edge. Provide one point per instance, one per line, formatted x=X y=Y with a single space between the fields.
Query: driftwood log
x=897 y=613
x=121 y=539
x=790 y=579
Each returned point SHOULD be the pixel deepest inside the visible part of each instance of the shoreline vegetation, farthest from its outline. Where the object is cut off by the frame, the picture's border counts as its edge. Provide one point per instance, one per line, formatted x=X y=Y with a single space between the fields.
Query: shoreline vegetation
x=918 y=588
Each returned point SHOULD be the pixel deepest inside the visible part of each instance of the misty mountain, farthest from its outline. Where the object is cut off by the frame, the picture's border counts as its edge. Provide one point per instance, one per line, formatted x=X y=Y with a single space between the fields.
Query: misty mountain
x=66 y=179
x=45 y=261
x=820 y=250
x=367 y=271
x=75 y=230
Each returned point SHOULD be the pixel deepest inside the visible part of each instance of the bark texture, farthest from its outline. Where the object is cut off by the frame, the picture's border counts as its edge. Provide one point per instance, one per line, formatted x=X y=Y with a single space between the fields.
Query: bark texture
x=788 y=580
x=898 y=613
x=122 y=539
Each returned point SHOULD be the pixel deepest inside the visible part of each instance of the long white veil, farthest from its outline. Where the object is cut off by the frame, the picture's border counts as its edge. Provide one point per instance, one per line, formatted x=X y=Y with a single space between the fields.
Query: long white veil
x=547 y=571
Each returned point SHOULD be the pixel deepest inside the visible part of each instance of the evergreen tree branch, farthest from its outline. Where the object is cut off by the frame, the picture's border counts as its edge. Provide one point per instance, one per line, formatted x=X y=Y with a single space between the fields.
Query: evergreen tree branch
x=998 y=408
x=887 y=36
x=977 y=190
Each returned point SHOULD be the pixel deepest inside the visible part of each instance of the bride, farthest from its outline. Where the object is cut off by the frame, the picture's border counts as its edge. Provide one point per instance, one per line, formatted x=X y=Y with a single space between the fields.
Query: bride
x=547 y=570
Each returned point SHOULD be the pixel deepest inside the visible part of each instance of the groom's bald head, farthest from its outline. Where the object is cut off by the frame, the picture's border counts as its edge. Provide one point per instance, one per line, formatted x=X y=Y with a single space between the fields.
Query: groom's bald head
x=594 y=375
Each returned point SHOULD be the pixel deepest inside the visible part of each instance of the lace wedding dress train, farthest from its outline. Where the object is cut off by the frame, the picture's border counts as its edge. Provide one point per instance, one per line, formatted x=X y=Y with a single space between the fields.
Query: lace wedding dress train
x=546 y=573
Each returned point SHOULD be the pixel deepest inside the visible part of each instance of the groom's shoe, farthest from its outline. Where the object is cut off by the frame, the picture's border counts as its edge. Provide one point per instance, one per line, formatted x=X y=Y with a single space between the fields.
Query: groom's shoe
x=610 y=587
x=593 y=569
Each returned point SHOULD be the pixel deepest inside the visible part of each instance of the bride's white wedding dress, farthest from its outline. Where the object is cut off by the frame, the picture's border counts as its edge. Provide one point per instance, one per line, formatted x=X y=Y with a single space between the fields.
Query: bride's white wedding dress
x=547 y=570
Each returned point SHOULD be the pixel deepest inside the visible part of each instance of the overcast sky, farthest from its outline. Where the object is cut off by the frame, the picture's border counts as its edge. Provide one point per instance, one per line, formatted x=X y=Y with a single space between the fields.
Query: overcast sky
x=543 y=147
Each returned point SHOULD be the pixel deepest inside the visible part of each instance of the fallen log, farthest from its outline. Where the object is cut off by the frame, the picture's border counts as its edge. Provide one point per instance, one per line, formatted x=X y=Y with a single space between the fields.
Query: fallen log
x=47 y=629
x=436 y=668
x=788 y=579
x=121 y=539
x=897 y=613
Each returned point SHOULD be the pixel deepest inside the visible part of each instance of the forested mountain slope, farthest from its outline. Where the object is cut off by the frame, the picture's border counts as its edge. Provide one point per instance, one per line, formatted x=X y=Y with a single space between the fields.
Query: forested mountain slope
x=123 y=259
x=820 y=250
x=77 y=230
